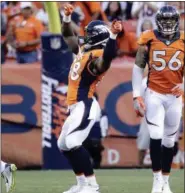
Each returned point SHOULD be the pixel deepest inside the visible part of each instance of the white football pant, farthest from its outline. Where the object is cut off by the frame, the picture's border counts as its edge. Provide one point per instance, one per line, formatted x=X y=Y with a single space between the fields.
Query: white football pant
x=163 y=115
x=78 y=124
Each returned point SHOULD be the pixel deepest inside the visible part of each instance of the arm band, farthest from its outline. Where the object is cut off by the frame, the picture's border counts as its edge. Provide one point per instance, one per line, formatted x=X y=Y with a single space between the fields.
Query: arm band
x=66 y=19
x=137 y=77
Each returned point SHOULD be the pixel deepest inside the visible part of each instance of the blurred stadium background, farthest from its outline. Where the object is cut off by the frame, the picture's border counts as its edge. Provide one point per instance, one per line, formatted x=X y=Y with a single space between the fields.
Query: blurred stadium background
x=32 y=117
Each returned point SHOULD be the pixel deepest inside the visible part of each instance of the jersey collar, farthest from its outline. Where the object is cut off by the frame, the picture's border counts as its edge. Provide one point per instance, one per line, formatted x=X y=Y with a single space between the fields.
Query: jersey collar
x=167 y=42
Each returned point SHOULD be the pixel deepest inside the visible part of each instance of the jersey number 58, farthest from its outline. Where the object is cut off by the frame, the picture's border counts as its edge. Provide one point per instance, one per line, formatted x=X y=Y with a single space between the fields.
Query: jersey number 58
x=157 y=58
x=74 y=71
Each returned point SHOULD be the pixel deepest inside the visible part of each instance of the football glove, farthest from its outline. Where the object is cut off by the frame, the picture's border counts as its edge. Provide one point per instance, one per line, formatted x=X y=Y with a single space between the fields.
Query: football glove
x=177 y=91
x=116 y=27
x=139 y=106
x=68 y=9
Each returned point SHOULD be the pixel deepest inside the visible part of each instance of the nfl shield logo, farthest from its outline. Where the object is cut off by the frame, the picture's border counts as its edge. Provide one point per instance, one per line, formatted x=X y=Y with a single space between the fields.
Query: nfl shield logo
x=55 y=43
x=168 y=42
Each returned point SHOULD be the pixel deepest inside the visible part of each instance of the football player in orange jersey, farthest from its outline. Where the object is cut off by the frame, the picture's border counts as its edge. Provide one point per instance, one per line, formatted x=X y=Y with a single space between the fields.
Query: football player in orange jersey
x=90 y=64
x=163 y=50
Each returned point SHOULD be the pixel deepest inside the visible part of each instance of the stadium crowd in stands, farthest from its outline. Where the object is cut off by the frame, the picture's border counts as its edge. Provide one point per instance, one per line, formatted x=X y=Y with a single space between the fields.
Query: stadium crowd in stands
x=23 y=22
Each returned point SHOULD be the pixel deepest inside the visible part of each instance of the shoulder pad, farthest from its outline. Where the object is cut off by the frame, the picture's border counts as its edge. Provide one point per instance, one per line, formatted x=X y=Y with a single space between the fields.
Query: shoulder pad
x=145 y=37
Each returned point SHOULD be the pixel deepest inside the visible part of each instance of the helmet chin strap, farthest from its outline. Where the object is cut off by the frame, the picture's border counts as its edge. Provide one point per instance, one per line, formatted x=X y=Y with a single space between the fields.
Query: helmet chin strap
x=168 y=36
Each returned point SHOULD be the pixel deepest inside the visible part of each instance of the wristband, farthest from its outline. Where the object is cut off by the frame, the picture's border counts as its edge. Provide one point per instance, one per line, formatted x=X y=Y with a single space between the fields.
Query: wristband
x=113 y=36
x=66 y=19
x=136 y=93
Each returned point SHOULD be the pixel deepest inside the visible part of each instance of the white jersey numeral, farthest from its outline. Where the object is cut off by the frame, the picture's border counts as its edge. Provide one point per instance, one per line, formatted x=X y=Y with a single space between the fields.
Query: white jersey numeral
x=157 y=57
x=74 y=71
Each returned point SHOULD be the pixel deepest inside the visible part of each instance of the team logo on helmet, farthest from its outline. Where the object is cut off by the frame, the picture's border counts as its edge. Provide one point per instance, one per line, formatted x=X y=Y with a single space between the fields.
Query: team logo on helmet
x=96 y=33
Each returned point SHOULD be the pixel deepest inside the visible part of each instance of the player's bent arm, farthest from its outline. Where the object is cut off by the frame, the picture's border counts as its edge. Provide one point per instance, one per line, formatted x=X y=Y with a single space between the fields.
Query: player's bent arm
x=138 y=71
x=102 y=64
x=68 y=34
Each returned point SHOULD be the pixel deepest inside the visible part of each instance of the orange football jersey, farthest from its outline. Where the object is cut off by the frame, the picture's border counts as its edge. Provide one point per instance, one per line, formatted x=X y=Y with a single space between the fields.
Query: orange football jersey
x=81 y=82
x=165 y=60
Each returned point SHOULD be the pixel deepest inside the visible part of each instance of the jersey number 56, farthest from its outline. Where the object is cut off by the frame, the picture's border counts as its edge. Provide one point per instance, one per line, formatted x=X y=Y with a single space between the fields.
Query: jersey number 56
x=157 y=57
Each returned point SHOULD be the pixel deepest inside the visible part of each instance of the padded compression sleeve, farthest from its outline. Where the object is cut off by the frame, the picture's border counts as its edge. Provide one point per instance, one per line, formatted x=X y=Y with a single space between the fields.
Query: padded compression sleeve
x=137 y=77
x=110 y=50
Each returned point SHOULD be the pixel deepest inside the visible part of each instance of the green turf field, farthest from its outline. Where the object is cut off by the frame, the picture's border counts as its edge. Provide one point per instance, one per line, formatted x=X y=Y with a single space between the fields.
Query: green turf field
x=111 y=181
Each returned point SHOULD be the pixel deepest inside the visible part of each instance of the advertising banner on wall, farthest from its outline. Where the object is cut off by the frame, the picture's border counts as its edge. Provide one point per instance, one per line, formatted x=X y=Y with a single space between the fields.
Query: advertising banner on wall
x=43 y=117
x=56 y=61
x=115 y=97
x=21 y=115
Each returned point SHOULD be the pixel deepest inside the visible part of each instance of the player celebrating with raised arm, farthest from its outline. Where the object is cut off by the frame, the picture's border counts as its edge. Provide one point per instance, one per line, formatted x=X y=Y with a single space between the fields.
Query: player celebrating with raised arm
x=91 y=62
x=163 y=50
x=8 y=173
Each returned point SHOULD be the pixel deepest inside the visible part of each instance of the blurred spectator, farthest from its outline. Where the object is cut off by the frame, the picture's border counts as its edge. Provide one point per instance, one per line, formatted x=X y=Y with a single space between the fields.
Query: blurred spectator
x=89 y=11
x=128 y=10
x=176 y=4
x=40 y=12
x=146 y=25
x=4 y=5
x=3 y=24
x=24 y=34
x=182 y=20
x=42 y=16
x=108 y=8
x=38 y=4
x=182 y=6
x=143 y=11
x=3 y=39
x=12 y=10
x=179 y=5
x=127 y=44
x=114 y=11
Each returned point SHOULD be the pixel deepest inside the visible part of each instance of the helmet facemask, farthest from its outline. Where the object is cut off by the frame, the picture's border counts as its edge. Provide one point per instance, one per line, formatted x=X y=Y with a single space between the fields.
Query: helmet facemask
x=168 y=25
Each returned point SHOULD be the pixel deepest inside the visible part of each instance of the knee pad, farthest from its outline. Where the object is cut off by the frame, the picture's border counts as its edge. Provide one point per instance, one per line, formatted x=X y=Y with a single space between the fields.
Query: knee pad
x=156 y=133
x=168 y=142
x=173 y=119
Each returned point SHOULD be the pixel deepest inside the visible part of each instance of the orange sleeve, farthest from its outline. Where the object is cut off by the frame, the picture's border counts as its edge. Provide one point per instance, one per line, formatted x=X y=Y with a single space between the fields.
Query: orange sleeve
x=133 y=41
x=39 y=28
x=94 y=6
x=144 y=38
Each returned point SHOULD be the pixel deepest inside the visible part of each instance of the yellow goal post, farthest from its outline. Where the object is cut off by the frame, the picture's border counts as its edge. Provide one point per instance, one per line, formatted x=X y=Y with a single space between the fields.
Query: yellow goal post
x=54 y=17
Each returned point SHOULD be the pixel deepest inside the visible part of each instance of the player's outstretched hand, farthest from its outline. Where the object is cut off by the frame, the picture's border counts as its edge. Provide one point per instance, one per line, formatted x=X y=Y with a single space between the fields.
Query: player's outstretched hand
x=177 y=91
x=139 y=106
x=68 y=9
x=116 y=26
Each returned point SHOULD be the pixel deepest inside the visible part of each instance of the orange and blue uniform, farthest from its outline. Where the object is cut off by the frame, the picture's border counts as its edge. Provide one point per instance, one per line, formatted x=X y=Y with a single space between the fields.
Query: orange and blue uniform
x=165 y=60
x=81 y=81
